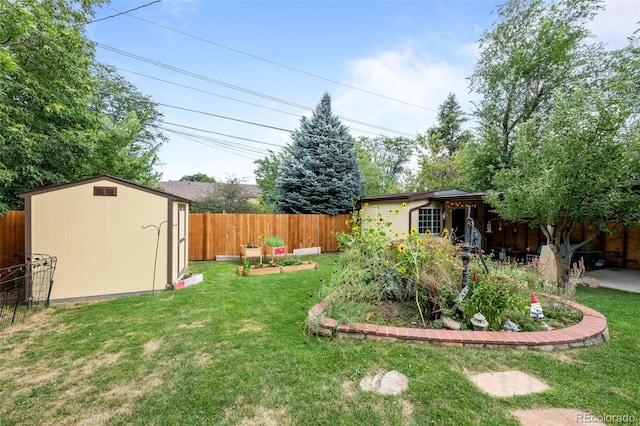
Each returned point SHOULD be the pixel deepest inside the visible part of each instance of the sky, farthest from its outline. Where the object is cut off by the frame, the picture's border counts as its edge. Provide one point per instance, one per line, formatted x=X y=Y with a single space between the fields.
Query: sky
x=234 y=78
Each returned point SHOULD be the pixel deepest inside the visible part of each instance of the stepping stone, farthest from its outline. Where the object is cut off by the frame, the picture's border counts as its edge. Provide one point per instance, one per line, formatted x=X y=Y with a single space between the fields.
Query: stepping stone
x=556 y=417
x=508 y=383
x=385 y=383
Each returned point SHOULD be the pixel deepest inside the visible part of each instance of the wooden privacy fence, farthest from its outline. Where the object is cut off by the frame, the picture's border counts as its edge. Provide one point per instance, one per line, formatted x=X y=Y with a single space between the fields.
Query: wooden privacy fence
x=11 y=233
x=213 y=234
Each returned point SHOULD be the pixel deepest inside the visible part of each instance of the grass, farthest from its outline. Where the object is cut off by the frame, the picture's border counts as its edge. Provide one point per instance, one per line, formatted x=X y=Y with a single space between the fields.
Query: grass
x=233 y=350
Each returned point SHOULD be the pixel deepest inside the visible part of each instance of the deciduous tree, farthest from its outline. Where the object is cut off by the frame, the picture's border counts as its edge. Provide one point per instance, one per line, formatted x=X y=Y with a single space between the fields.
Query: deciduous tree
x=535 y=48
x=383 y=161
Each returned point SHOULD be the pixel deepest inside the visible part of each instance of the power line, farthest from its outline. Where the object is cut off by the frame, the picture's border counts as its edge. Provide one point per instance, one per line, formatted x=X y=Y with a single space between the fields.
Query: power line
x=222 y=134
x=278 y=63
x=261 y=106
x=120 y=13
x=238 y=88
x=252 y=123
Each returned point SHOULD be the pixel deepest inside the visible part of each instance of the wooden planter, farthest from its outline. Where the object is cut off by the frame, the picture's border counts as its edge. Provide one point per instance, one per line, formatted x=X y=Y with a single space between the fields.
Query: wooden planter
x=265 y=270
x=274 y=252
x=246 y=251
x=303 y=267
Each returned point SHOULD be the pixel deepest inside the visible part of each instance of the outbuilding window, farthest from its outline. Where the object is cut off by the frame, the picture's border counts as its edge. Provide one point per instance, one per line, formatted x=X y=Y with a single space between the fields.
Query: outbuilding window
x=429 y=219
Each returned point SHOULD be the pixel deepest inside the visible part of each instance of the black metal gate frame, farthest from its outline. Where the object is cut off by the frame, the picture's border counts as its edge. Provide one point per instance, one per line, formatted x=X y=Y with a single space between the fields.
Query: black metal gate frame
x=26 y=280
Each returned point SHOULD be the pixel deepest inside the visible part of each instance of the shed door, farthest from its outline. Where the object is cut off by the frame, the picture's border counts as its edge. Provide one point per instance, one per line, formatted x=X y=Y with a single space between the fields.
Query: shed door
x=182 y=238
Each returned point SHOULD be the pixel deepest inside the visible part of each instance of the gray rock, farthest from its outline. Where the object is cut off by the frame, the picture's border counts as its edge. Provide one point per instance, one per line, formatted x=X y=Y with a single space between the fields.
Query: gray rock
x=450 y=323
x=510 y=326
x=385 y=383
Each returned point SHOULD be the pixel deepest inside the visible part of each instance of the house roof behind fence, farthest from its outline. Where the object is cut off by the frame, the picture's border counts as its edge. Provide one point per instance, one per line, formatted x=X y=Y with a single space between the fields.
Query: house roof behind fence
x=198 y=190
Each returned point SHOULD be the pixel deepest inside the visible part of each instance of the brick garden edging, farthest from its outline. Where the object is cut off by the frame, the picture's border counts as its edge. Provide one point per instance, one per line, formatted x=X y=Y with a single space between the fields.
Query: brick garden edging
x=592 y=330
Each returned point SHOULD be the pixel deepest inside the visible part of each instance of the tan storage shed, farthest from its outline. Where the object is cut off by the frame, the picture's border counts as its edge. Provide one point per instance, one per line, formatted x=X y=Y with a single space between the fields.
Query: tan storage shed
x=111 y=237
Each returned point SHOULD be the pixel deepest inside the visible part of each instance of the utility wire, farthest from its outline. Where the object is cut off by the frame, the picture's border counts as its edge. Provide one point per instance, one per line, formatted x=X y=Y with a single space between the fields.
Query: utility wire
x=258 y=105
x=225 y=146
x=119 y=13
x=277 y=63
x=234 y=87
x=222 y=134
x=252 y=123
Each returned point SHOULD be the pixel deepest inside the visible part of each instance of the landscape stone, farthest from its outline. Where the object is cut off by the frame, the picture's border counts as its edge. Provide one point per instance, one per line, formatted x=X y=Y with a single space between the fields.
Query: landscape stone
x=385 y=383
x=548 y=265
x=590 y=282
x=508 y=383
x=450 y=323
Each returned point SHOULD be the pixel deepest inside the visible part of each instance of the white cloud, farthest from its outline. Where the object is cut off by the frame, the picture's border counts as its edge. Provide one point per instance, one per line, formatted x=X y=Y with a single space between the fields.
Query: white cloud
x=617 y=22
x=404 y=75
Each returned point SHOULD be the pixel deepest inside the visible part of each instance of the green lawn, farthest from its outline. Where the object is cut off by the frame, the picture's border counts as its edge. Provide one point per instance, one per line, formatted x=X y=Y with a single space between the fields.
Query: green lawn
x=233 y=350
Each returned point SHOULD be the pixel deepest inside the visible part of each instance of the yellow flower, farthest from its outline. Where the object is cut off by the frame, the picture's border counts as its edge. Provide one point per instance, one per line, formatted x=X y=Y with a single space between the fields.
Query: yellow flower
x=355 y=228
x=402 y=269
x=361 y=212
x=401 y=248
x=445 y=231
x=414 y=230
x=346 y=222
x=428 y=232
x=397 y=211
x=366 y=205
x=386 y=263
x=404 y=205
x=397 y=235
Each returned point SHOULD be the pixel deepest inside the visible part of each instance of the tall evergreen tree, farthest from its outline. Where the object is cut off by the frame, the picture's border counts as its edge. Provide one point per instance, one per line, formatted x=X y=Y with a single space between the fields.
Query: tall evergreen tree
x=320 y=173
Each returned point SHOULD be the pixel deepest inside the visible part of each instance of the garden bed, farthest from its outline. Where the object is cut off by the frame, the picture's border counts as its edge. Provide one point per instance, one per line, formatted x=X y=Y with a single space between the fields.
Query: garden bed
x=275 y=268
x=591 y=330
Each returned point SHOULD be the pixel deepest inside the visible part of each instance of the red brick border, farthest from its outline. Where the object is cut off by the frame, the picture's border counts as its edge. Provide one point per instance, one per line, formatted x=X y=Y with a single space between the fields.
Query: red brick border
x=592 y=330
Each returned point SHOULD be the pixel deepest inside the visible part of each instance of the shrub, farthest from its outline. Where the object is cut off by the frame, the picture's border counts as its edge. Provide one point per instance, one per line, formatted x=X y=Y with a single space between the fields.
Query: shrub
x=275 y=242
x=493 y=295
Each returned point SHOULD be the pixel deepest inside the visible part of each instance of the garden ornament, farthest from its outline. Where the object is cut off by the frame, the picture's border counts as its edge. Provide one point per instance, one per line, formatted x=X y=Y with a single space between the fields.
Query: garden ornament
x=536 y=309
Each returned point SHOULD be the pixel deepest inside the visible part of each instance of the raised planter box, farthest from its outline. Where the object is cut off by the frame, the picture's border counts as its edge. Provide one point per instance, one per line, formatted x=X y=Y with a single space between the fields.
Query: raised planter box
x=302 y=267
x=246 y=251
x=276 y=251
x=265 y=270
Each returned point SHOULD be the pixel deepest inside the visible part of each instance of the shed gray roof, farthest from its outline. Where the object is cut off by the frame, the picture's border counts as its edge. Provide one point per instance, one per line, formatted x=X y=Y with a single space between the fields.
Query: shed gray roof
x=196 y=190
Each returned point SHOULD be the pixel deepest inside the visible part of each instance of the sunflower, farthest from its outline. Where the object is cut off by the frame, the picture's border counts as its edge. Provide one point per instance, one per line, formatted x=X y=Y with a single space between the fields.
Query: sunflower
x=404 y=205
x=414 y=230
x=361 y=212
x=402 y=248
x=402 y=269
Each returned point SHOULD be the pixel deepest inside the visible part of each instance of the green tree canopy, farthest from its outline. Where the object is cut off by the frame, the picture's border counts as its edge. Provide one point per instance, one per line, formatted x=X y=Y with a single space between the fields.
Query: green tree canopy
x=578 y=164
x=198 y=177
x=382 y=161
x=440 y=148
x=227 y=197
x=534 y=49
x=320 y=171
x=62 y=115
x=266 y=173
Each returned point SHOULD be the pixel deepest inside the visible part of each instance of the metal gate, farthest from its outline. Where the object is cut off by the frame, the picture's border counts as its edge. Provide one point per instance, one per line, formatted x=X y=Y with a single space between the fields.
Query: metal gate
x=26 y=280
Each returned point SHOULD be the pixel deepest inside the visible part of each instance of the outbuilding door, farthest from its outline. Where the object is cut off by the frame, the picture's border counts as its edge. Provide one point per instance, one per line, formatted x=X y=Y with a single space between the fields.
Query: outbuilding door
x=182 y=238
